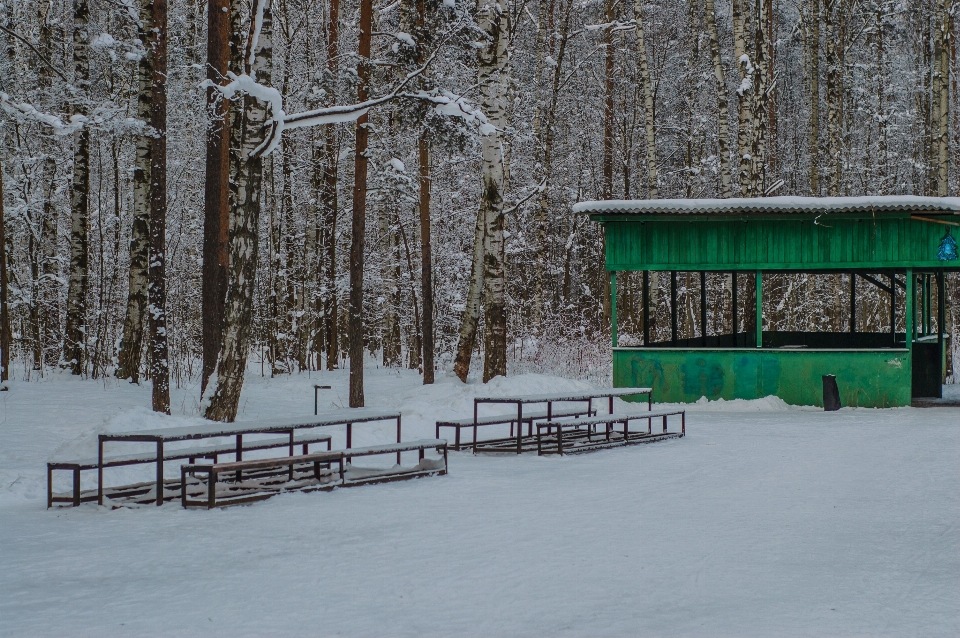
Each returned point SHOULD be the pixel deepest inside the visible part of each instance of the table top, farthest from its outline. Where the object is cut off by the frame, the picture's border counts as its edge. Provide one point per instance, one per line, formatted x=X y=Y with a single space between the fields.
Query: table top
x=564 y=396
x=266 y=426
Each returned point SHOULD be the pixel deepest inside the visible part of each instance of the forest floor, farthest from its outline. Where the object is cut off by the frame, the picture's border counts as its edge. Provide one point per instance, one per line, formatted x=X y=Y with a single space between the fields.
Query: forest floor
x=766 y=520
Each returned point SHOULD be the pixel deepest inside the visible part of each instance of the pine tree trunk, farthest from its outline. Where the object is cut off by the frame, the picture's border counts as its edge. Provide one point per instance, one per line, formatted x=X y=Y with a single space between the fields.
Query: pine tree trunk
x=216 y=221
x=358 y=237
x=224 y=386
x=426 y=260
x=75 y=334
x=941 y=96
x=834 y=98
x=48 y=314
x=131 y=346
x=548 y=136
x=329 y=203
x=157 y=287
x=723 y=111
x=649 y=112
x=759 y=143
x=608 y=97
x=814 y=48
x=493 y=80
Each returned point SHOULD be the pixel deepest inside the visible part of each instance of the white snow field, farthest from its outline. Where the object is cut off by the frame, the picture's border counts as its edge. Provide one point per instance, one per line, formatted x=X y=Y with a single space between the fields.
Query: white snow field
x=766 y=520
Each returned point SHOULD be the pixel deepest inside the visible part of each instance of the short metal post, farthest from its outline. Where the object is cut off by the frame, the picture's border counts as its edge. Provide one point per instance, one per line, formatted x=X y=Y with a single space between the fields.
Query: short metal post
x=183 y=485
x=291 y=454
x=100 y=470
x=650 y=401
x=316 y=391
x=349 y=435
x=560 y=440
x=76 y=487
x=611 y=404
x=683 y=423
x=519 y=426
x=664 y=423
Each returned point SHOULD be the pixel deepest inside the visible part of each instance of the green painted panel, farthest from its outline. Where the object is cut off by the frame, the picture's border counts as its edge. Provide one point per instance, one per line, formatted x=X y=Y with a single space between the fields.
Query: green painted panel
x=867 y=378
x=788 y=244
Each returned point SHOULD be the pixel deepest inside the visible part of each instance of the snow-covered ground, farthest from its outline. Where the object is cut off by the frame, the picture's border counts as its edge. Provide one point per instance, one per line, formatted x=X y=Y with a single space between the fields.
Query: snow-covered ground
x=765 y=521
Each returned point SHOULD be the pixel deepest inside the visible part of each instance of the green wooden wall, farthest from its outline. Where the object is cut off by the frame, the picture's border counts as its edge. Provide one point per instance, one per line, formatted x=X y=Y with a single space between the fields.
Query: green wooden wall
x=866 y=378
x=772 y=243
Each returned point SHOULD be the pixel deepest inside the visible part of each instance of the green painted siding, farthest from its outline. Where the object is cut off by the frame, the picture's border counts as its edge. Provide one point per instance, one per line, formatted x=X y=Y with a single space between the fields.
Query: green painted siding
x=867 y=378
x=772 y=244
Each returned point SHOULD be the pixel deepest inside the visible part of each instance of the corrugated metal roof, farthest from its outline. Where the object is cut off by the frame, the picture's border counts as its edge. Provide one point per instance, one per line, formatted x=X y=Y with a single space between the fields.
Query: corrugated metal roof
x=797 y=205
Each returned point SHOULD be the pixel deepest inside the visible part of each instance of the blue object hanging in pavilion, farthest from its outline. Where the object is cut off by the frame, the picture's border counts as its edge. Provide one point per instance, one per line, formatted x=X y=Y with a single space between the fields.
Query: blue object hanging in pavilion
x=948 y=248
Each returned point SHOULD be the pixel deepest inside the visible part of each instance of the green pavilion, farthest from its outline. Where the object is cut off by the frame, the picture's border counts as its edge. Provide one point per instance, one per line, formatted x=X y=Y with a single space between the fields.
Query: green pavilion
x=902 y=246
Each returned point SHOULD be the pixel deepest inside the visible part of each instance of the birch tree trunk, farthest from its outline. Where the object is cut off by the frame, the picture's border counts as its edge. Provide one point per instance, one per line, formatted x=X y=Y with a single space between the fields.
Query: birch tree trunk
x=723 y=134
x=358 y=236
x=744 y=95
x=216 y=221
x=131 y=346
x=814 y=52
x=467 y=339
x=493 y=78
x=75 y=336
x=46 y=301
x=157 y=288
x=649 y=112
x=222 y=394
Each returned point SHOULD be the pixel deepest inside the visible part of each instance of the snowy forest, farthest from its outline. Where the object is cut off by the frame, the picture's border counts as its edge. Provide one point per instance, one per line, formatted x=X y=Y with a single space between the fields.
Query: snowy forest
x=193 y=189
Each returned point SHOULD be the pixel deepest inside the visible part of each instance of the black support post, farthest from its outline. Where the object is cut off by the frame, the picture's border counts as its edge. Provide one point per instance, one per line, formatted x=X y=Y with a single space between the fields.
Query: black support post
x=703 y=307
x=646 y=307
x=893 y=310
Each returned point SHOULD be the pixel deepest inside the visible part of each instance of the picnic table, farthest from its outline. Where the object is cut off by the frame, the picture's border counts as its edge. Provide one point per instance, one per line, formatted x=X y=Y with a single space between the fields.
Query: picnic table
x=161 y=436
x=549 y=399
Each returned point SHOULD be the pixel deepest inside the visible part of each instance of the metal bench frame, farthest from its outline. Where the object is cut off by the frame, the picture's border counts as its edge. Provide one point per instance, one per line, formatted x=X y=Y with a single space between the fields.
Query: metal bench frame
x=191 y=454
x=610 y=420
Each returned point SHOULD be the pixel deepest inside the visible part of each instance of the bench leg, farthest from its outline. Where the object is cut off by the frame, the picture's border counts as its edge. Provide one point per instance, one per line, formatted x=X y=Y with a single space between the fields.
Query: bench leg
x=99 y=471
x=444 y=459
x=398 y=439
x=683 y=424
x=49 y=487
x=239 y=454
x=560 y=440
x=76 y=487
x=211 y=489
x=159 y=473
x=456 y=437
x=664 y=423
x=183 y=486
x=291 y=454
x=421 y=453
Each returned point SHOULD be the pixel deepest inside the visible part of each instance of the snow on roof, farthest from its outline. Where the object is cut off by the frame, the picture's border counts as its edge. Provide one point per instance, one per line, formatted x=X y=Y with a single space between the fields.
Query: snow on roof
x=734 y=206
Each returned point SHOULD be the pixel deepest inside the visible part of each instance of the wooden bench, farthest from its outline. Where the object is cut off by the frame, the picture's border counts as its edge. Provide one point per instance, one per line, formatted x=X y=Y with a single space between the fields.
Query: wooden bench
x=267 y=477
x=581 y=439
x=503 y=419
x=211 y=452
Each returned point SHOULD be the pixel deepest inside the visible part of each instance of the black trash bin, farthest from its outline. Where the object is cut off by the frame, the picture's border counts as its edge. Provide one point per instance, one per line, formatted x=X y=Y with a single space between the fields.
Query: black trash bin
x=831 y=393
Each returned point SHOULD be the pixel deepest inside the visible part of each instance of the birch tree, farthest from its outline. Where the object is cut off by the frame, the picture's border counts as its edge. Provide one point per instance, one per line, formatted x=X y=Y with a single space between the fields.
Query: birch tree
x=723 y=126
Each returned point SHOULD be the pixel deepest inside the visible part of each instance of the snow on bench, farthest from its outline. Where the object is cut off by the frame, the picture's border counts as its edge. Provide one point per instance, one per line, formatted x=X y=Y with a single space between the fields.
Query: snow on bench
x=304 y=439
x=259 y=479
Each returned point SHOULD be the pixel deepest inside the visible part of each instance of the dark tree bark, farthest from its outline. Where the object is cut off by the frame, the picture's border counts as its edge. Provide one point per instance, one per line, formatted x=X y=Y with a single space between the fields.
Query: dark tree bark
x=328 y=198
x=4 y=294
x=216 y=223
x=426 y=261
x=358 y=237
x=75 y=337
x=157 y=288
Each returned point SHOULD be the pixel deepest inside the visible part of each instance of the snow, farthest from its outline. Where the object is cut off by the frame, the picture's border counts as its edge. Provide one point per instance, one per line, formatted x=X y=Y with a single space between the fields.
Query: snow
x=766 y=520
x=782 y=204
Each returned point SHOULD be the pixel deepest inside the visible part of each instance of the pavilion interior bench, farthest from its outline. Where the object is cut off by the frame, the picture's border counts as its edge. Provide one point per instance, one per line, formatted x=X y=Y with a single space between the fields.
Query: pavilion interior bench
x=504 y=419
x=574 y=435
x=210 y=452
x=257 y=479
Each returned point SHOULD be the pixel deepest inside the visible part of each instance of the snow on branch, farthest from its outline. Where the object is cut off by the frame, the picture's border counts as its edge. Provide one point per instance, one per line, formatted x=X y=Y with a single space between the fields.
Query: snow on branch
x=445 y=102
x=24 y=111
